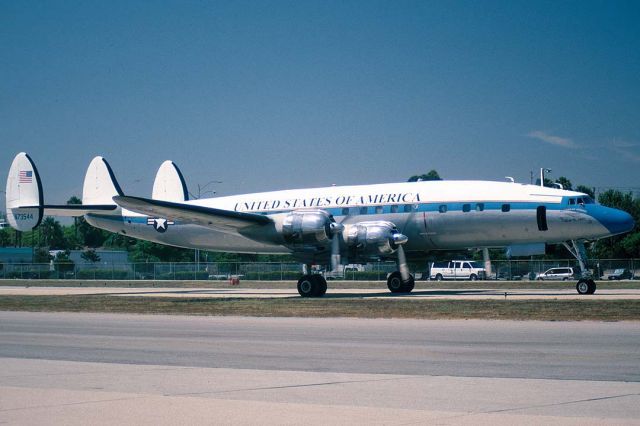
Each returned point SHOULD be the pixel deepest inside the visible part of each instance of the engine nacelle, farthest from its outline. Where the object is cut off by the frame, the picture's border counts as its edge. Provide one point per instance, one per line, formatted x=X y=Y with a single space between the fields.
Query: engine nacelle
x=307 y=227
x=374 y=238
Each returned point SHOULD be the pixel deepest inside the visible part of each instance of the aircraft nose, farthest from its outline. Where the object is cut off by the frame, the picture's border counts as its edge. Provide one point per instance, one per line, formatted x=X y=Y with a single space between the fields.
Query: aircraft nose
x=616 y=221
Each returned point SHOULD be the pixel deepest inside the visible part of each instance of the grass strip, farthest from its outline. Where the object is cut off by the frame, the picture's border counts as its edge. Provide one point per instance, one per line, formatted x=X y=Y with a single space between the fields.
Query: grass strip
x=546 y=310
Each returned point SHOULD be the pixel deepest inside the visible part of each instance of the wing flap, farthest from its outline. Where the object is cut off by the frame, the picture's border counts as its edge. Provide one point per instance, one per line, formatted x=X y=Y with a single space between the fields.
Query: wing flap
x=221 y=220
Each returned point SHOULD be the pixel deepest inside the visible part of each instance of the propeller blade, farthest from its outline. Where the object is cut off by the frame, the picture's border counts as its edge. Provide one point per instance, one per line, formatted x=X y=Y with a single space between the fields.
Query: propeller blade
x=402 y=265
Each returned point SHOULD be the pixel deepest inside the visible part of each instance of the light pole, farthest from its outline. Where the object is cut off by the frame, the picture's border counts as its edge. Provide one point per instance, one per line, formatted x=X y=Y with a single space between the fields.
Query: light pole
x=201 y=189
x=201 y=192
x=542 y=172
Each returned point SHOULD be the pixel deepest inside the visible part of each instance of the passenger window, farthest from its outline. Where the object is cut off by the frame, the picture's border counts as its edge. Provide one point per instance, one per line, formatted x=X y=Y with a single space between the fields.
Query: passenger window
x=572 y=201
x=394 y=209
x=363 y=210
x=466 y=208
x=378 y=209
x=345 y=211
x=458 y=265
x=466 y=265
x=506 y=207
x=442 y=208
x=407 y=208
x=480 y=207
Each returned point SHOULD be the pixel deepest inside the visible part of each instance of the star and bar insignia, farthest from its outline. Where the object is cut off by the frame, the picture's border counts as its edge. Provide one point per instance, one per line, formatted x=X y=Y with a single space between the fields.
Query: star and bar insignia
x=159 y=224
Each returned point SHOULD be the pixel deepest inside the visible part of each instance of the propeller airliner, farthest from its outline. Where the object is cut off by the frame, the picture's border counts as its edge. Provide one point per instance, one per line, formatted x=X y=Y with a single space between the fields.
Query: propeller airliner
x=334 y=225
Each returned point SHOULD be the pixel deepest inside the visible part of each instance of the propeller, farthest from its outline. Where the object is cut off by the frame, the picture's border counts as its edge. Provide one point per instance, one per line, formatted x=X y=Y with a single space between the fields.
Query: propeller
x=336 y=229
x=398 y=240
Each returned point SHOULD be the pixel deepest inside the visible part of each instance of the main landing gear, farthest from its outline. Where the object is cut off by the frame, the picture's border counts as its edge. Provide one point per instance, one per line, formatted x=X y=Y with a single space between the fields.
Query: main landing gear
x=397 y=285
x=312 y=285
x=586 y=284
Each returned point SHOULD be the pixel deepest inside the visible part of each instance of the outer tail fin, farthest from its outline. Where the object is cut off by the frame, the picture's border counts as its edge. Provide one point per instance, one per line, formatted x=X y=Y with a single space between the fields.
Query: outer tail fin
x=25 y=198
x=169 y=184
x=100 y=184
x=25 y=205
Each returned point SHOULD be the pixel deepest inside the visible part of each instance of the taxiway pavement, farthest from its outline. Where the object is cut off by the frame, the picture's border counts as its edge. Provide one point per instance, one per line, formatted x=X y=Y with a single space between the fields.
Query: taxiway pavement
x=69 y=368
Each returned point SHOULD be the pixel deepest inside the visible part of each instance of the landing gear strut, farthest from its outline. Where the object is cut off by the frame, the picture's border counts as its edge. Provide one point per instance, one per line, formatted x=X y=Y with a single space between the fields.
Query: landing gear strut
x=312 y=286
x=397 y=285
x=586 y=284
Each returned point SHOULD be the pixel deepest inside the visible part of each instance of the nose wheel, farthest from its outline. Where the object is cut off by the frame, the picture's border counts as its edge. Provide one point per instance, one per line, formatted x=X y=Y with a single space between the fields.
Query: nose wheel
x=585 y=286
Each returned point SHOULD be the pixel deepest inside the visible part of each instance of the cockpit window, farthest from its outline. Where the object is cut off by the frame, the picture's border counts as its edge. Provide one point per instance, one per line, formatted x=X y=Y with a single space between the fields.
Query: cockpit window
x=588 y=200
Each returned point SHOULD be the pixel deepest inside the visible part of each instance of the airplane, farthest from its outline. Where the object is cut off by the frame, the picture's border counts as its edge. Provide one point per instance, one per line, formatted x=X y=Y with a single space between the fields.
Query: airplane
x=334 y=225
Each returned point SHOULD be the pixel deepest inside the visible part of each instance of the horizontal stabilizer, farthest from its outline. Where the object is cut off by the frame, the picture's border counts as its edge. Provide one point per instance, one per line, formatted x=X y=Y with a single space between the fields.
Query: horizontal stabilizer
x=222 y=220
x=77 y=209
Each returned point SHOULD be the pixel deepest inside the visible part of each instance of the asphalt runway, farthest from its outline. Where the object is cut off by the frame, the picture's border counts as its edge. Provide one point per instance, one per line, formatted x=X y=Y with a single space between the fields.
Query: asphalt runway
x=247 y=292
x=64 y=368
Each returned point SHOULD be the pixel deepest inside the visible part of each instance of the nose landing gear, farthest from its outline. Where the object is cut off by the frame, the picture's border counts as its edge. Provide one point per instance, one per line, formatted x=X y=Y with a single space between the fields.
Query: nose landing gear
x=586 y=284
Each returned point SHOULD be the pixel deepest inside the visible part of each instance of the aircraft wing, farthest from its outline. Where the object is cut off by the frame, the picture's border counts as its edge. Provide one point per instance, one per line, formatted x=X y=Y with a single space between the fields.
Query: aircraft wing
x=222 y=220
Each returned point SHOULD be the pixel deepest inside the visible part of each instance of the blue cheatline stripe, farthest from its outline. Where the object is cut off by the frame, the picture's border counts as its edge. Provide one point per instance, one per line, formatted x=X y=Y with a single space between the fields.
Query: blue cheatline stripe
x=386 y=209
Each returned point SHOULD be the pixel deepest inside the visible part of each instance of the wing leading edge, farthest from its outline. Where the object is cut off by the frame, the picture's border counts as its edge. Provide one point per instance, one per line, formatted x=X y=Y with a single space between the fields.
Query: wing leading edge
x=218 y=219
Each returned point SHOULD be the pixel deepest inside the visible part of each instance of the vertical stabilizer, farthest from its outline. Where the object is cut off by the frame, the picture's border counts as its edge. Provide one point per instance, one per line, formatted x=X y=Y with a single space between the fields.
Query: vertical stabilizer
x=169 y=184
x=24 y=194
x=100 y=184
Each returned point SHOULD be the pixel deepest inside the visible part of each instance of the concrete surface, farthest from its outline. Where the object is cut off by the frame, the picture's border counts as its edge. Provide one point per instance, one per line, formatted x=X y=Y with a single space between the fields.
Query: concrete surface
x=61 y=368
x=243 y=292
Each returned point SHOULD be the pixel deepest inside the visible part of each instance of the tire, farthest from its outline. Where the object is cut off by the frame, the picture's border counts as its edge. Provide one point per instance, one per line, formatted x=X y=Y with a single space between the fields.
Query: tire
x=396 y=285
x=565 y=279
x=394 y=282
x=408 y=286
x=473 y=277
x=583 y=287
x=307 y=286
x=592 y=286
x=540 y=279
x=320 y=284
x=439 y=277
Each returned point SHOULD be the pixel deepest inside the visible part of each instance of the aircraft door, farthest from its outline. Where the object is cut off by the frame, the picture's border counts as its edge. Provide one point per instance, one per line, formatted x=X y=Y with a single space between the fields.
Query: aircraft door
x=541 y=217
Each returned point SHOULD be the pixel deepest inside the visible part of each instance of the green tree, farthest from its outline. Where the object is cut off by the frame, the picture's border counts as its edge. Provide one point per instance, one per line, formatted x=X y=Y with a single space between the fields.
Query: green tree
x=90 y=255
x=565 y=182
x=52 y=234
x=62 y=262
x=431 y=175
x=41 y=255
x=6 y=237
x=586 y=190
x=620 y=245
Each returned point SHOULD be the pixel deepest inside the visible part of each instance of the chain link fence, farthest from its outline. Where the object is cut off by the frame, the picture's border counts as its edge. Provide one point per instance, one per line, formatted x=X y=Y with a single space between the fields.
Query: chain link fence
x=501 y=270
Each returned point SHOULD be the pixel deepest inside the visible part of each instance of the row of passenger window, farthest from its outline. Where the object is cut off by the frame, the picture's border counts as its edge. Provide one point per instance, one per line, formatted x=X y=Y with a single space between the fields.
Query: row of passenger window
x=406 y=208
x=478 y=207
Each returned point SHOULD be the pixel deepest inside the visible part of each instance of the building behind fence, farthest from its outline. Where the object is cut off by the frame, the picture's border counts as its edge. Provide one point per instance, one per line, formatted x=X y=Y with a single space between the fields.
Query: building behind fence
x=269 y=271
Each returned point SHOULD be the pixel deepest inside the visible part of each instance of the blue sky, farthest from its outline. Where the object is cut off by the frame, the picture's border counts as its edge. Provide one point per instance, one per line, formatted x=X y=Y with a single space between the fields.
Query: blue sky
x=274 y=95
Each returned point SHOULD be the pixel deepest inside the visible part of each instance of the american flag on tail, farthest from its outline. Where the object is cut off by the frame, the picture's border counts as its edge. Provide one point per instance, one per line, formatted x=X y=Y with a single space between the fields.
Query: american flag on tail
x=25 y=176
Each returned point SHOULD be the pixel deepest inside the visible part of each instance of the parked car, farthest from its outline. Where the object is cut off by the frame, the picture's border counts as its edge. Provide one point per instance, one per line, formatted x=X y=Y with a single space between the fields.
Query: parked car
x=621 y=274
x=556 y=274
x=457 y=270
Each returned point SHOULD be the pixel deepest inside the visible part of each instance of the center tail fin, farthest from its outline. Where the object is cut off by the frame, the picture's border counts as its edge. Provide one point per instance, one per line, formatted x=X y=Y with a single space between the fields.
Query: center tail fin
x=25 y=199
x=169 y=184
